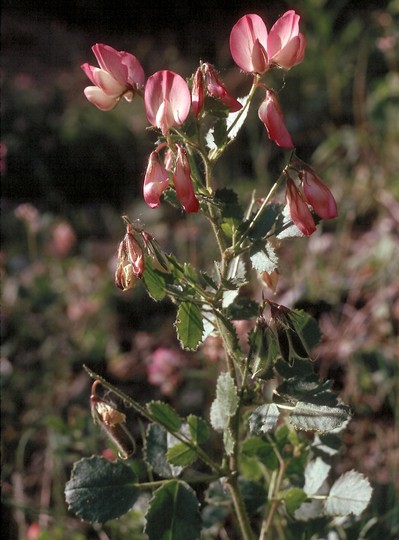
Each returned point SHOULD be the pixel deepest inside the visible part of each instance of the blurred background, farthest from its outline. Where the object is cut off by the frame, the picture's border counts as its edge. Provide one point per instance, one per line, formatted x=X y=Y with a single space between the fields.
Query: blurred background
x=69 y=171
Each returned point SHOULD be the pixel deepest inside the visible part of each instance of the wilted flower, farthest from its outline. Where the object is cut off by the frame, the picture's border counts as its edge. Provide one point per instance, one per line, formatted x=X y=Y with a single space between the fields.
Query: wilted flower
x=167 y=100
x=131 y=262
x=120 y=75
x=270 y=114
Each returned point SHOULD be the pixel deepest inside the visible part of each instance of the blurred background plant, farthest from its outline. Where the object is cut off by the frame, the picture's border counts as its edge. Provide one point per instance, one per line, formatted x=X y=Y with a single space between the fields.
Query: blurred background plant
x=68 y=174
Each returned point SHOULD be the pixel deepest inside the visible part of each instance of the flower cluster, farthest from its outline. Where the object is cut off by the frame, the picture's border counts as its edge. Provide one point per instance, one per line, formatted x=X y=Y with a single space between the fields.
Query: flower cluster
x=169 y=100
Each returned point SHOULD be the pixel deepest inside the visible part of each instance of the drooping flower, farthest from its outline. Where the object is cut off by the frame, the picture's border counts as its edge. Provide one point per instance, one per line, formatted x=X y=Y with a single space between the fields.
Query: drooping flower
x=120 y=75
x=255 y=50
x=285 y=44
x=167 y=100
x=130 y=262
x=183 y=182
x=298 y=209
x=216 y=88
x=156 y=180
x=271 y=115
x=317 y=193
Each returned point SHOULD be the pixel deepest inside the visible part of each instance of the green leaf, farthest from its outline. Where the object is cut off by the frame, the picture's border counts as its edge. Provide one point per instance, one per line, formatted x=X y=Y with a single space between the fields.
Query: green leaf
x=173 y=513
x=199 y=430
x=228 y=441
x=254 y=495
x=316 y=473
x=156 y=447
x=306 y=327
x=263 y=258
x=226 y=402
x=309 y=390
x=264 y=418
x=218 y=493
x=350 y=494
x=163 y=414
x=189 y=325
x=181 y=454
x=100 y=490
x=155 y=283
x=264 y=222
x=310 y=417
x=242 y=309
x=293 y=499
x=299 y=369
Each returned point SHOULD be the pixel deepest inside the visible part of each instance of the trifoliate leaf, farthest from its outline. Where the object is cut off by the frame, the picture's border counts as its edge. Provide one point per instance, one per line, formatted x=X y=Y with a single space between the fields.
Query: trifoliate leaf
x=263 y=258
x=350 y=494
x=100 y=490
x=264 y=418
x=164 y=414
x=189 y=325
x=310 y=417
x=316 y=473
x=173 y=513
x=156 y=446
x=181 y=454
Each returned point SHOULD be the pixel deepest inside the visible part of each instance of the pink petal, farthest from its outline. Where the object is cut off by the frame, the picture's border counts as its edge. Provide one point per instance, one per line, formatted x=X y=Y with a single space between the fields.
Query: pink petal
x=110 y=60
x=156 y=181
x=135 y=70
x=299 y=211
x=101 y=100
x=285 y=28
x=107 y=83
x=88 y=69
x=183 y=183
x=242 y=39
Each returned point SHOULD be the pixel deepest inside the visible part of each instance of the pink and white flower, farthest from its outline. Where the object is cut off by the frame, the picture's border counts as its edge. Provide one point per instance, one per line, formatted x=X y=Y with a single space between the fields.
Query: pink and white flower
x=271 y=115
x=120 y=75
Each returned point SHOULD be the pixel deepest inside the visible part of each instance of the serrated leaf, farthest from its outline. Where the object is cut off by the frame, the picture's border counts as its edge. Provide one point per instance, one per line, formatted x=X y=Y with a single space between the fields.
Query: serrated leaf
x=100 y=490
x=293 y=499
x=155 y=283
x=219 y=420
x=199 y=430
x=306 y=327
x=226 y=394
x=310 y=417
x=350 y=494
x=181 y=454
x=316 y=473
x=263 y=259
x=228 y=441
x=309 y=510
x=264 y=222
x=228 y=298
x=173 y=513
x=189 y=325
x=235 y=120
x=309 y=390
x=163 y=414
x=242 y=309
x=156 y=446
x=264 y=418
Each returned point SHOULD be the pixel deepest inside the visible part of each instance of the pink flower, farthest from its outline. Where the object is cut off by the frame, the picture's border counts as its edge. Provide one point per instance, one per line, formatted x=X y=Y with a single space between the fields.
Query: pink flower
x=270 y=114
x=120 y=74
x=255 y=50
x=285 y=44
x=183 y=182
x=216 y=89
x=156 y=181
x=317 y=194
x=248 y=44
x=299 y=211
x=167 y=100
x=164 y=369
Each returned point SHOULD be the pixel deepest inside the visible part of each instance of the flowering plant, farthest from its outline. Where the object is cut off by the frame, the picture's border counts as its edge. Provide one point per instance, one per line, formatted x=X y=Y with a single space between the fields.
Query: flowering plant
x=259 y=471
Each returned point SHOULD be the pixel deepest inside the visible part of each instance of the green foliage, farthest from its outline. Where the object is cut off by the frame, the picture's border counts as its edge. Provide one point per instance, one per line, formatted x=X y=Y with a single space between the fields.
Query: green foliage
x=173 y=513
x=100 y=490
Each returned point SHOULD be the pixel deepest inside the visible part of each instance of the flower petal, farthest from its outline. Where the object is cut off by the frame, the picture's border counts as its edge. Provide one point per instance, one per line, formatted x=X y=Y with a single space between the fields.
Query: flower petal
x=243 y=36
x=101 y=100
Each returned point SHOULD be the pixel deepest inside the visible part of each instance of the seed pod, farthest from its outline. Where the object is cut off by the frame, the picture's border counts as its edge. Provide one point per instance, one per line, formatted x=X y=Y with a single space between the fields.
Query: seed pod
x=112 y=422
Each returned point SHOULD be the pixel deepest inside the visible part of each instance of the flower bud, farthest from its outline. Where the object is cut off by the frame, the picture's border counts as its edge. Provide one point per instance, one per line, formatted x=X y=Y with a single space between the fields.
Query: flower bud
x=183 y=182
x=156 y=181
x=198 y=92
x=317 y=193
x=216 y=89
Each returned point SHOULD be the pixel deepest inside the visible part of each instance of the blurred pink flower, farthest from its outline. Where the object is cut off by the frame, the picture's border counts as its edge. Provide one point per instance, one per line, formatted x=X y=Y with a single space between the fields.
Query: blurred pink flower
x=120 y=75
x=156 y=181
x=164 y=369
x=255 y=50
x=183 y=182
x=63 y=239
x=298 y=209
x=271 y=115
x=167 y=100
